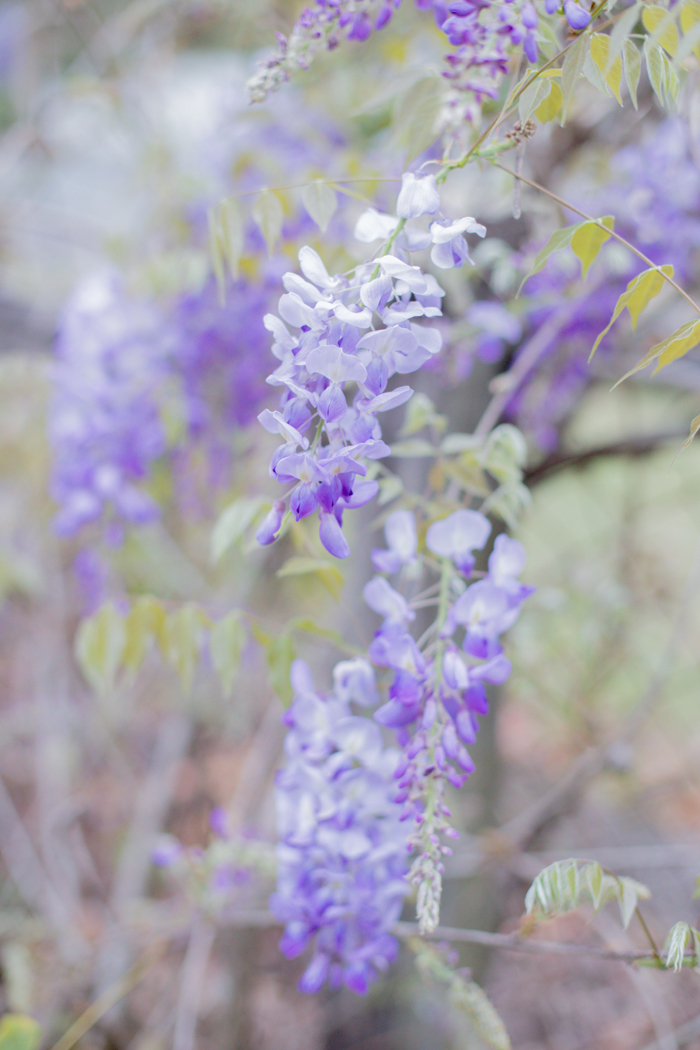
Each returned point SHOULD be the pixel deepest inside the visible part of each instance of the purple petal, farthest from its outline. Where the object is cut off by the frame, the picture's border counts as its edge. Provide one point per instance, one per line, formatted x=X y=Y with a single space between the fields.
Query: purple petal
x=331 y=535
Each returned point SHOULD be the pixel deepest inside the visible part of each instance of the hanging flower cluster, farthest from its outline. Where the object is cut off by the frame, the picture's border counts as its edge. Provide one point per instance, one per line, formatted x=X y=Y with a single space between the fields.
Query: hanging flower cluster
x=437 y=692
x=341 y=857
x=354 y=332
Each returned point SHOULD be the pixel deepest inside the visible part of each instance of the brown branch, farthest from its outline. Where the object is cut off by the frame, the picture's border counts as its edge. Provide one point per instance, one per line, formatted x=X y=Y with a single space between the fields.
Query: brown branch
x=642 y=445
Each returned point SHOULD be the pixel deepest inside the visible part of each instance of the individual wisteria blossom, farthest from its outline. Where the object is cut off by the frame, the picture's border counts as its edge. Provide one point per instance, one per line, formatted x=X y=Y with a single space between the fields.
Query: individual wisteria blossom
x=436 y=693
x=341 y=857
x=348 y=335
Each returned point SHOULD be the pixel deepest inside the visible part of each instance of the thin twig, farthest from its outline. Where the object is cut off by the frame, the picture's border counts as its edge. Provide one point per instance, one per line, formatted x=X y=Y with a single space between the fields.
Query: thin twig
x=590 y=218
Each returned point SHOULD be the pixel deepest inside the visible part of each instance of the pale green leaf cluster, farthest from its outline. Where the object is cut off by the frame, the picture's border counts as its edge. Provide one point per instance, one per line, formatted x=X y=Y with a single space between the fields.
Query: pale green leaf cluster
x=679 y=937
x=112 y=642
x=465 y=996
x=585 y=238
x=567 y=884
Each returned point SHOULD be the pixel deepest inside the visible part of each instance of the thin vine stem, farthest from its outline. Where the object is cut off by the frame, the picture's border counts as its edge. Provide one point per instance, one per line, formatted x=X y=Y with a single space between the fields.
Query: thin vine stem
x=612 y=233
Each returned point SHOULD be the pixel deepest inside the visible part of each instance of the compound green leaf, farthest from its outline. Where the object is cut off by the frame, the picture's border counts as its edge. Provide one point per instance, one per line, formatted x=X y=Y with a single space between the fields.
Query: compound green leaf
x=588 y=239
x=548 y=109
x=638 y=294
x=99 y=647
x=233 y=522
x=669 y=349
x=661 y=24
x=327 y=572
x=280 y=654
x=560 y=239
x=226 y=640
x=268 y=213
x=632 y=63
x=656 y=68
x=416 y=115
x=600 y=51
x=532 y=97
x=232 y=232
x=143 y=624
x=181 y=639
x=414 y=448
x=620 y=33
x=571 y=70
x=321 y=202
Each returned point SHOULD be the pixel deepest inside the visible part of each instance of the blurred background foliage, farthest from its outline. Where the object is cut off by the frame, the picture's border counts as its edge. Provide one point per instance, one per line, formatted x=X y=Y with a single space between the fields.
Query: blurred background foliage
x=122 y=125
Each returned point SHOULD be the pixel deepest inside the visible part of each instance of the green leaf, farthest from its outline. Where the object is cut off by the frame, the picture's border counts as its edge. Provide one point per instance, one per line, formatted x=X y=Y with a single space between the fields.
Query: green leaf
x=674 y=946
x=632 y=64
x=600 y=51
x=420 y=412
x=532 y=97
x=620 y=33
x=307 y=624
x=226 y=640
x=232 y=233
x=143 y=624
x=661 y=24
x=548 y=109
x=413 y=448
x=233 y=522
x=389 y=488
x=326 y=570
x=694 y=427
x=280 y=654
x=638 y=294
x=594 y=881
x=181 y=638
x=690 y=25
x=217 y=254
x=656 y=68
x=588 y=239
x=416 y=115
x=669 y=349
x=268 y=213
x=19 y=1032
x=571 y=70
x=321 y=202
x=560 y=239
x=99 y=647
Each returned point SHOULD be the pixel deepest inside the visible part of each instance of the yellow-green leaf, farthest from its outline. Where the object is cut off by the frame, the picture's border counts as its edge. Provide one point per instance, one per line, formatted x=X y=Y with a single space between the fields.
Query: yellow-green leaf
x=669 y=349
x=416 y=113
x=661 y=24
x=560 y=239
x=181 y=639
x=694 y=427
x=99 y=647
x=269 y=215
x=588 y=239
x=656 y=68
x=217 y=254
x=281 y=653
x=413 y=448
x=548 y=109
x=320 y=201
x=632 y=63
x=233 y=522
x=638 y=294
x=600 y=47
x=232 y=233
x=307 y=624
x=19 y=1032
x=226 y=640
x=143 y=624
x=571 y=70
x=690 y=26
x=328 y=573
x=620 y=33
x=532 y=97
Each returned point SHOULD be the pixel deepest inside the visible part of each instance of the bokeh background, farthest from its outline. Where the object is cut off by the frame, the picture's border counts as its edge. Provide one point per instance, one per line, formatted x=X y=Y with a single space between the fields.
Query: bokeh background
x=128 y=395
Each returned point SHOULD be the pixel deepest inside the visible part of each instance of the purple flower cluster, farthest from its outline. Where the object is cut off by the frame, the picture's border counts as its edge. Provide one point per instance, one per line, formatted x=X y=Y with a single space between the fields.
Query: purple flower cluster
x=437 y=693
x=117 y=358
x=337 y=343
x=341 y=858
